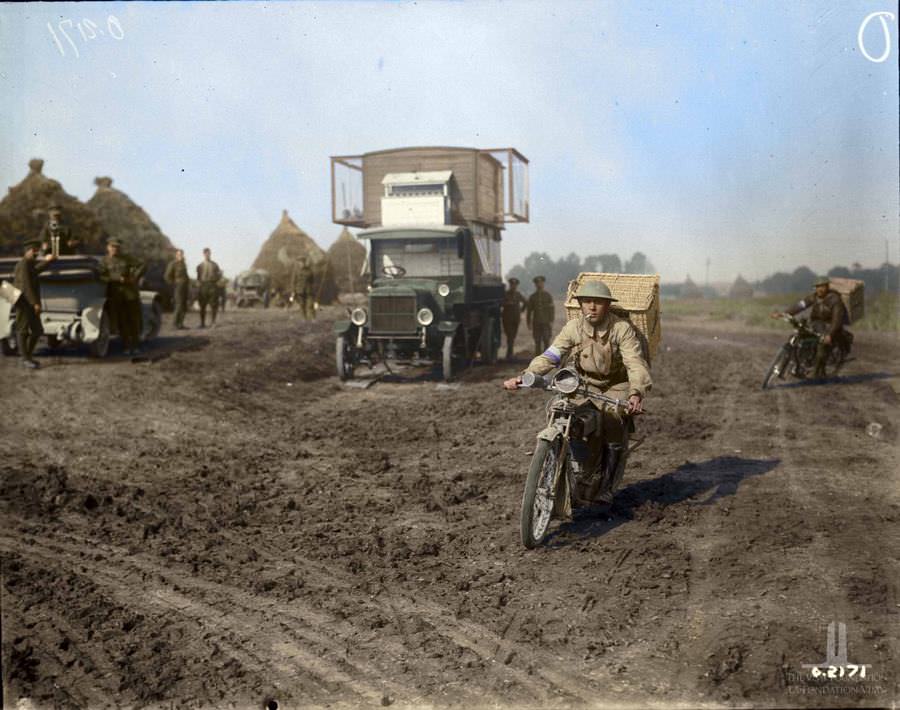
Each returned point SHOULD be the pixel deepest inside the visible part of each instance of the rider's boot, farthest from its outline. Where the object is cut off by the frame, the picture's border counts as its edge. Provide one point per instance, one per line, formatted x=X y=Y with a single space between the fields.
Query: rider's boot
x=612 y=472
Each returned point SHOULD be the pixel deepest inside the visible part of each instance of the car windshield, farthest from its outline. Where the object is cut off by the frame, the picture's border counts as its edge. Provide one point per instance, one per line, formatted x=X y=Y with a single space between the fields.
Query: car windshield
x=427 y=258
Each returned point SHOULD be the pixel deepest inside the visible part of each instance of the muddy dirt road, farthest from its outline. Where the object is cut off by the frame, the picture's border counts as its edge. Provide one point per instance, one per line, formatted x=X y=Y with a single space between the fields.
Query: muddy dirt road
x=225 y=525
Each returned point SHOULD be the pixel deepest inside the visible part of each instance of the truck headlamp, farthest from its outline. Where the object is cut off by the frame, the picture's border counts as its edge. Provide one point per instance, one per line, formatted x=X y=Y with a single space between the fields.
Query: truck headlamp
x=444 y=290
x=359 y=317
x=425 y=316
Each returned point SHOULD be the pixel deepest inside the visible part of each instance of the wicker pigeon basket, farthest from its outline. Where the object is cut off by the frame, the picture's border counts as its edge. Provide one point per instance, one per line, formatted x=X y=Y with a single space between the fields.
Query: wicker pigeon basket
x=638 y=300
x=852 y=294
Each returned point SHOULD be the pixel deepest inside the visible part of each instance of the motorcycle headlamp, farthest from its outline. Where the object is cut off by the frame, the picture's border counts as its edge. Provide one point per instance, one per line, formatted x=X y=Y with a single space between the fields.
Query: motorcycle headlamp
x=425 y=316
x=530 y=379
x=566 y=380
x=359 y=317
x=444 y=290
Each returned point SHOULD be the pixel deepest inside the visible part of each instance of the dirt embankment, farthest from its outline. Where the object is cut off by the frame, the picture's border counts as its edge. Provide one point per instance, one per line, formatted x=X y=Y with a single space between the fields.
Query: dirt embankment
x=225 y=524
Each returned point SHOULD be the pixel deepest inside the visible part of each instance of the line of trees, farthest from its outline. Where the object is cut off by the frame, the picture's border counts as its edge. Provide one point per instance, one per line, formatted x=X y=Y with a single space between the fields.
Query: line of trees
x=560 y=271
x=800 y=280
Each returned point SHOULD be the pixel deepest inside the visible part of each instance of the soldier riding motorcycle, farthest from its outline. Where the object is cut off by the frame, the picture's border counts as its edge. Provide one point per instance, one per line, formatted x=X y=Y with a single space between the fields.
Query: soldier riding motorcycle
x=609 y=378
x=820 y=343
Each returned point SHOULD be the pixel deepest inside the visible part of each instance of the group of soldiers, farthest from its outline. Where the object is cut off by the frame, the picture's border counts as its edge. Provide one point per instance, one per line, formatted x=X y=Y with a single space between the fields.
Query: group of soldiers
x=539 y=314
x=210 y=287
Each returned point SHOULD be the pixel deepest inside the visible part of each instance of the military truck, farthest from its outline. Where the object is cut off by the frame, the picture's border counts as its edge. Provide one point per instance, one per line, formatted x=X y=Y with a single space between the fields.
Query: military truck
x=73 y=307
x=252 y=287
x=432 y=219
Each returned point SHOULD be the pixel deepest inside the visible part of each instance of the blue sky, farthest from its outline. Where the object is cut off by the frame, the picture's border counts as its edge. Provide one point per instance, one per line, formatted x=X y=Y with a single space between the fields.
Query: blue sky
x=755 y=134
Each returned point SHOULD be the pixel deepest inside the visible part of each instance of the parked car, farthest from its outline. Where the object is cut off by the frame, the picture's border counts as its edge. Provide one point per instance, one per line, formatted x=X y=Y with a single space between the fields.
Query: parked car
x=73 y=307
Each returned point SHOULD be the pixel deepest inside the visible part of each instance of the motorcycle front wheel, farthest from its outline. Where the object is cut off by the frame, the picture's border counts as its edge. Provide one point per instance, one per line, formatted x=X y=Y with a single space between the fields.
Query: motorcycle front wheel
x=537 y=502
x=776 y=369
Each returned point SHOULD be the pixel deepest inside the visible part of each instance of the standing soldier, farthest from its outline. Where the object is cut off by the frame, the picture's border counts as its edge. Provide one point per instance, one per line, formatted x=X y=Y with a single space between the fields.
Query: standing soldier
x=177 y=275
x=28 y=306
x=539 y=315
x=302 y=287
x=56 y=237
x=513 y=305
x=121 y=273
x=208 y=274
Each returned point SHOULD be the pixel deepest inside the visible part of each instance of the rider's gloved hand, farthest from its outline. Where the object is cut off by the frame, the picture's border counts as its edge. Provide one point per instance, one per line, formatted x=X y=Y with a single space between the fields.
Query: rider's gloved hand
x=635 y=405
x=512 y=383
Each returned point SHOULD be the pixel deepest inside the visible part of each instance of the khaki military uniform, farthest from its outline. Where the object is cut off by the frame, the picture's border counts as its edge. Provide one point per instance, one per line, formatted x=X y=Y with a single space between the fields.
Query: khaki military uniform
x=539 y=317
x=67 y=244
x=609 y=359
x=177 y=275
x=302 y=288
x=123 y=298
x=28 y=324
x=511 y=315
x=827 y=317
x=208 y=275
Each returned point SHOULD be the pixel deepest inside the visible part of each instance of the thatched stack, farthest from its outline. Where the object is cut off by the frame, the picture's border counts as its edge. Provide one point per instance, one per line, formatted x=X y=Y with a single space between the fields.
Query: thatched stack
x=286 y=244
x=690 y=290
x=23 y=213
x=740 y=288
x=121 y=217
x=345 y=259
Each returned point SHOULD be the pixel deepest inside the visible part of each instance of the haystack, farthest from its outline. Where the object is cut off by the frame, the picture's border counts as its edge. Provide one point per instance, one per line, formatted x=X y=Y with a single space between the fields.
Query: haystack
x=346 y=258
x=690 y=290
x=123 y=218
x=286 y=244
x=23 y=212
x=740 y=288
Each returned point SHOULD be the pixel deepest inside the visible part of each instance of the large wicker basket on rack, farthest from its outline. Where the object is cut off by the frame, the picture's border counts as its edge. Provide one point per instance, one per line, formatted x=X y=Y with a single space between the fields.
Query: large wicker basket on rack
x=638 y=300
x=852 y=294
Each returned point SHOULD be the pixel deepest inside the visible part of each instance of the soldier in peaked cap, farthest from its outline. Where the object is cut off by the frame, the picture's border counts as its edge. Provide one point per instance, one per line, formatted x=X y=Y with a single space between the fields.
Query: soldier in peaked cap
x=208 y=275
x=539 y=315
x=606 y=352
x=511 y=314
x=177 y=275
x=827 y=317
x=28 y=306
x=56 y=236
x=122 y=274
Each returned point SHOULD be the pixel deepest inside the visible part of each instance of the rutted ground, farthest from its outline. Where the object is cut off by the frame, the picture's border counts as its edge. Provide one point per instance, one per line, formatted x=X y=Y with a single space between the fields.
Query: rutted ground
x=225 y=524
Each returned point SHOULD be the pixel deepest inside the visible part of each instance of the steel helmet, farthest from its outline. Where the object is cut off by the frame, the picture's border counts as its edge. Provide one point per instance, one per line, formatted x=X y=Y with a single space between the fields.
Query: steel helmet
x=821 y=281
x=594 y=288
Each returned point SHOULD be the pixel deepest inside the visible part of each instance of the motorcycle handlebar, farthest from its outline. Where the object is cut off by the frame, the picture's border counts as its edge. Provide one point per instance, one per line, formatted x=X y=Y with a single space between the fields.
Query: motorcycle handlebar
x=538 y=382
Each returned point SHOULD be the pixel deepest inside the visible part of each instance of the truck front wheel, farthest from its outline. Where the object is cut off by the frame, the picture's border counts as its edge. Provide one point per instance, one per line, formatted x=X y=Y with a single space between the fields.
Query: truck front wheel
x=343 y=356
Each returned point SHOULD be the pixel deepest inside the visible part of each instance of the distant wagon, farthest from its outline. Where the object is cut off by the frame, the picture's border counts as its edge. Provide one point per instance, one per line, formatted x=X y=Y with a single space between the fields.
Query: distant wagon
x=73 y=307
x=433 y=218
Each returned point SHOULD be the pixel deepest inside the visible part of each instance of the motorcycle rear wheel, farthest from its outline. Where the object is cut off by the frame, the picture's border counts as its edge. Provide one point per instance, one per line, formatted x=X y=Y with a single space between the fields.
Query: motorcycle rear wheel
x=776 y=369
x=537 y=502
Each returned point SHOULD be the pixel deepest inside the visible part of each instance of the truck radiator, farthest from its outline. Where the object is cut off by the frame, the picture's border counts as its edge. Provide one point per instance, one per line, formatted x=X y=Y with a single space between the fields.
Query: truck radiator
x=393 y=314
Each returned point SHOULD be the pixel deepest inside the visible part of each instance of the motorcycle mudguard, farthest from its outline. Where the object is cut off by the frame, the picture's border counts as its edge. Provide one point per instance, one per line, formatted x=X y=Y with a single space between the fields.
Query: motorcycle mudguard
x=548 y=434
x=342 y=327
x=562 y=501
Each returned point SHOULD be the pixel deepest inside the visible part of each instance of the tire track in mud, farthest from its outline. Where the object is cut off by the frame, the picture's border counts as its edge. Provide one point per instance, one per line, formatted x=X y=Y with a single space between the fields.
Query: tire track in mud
x=211 y=605
x=541 y=678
